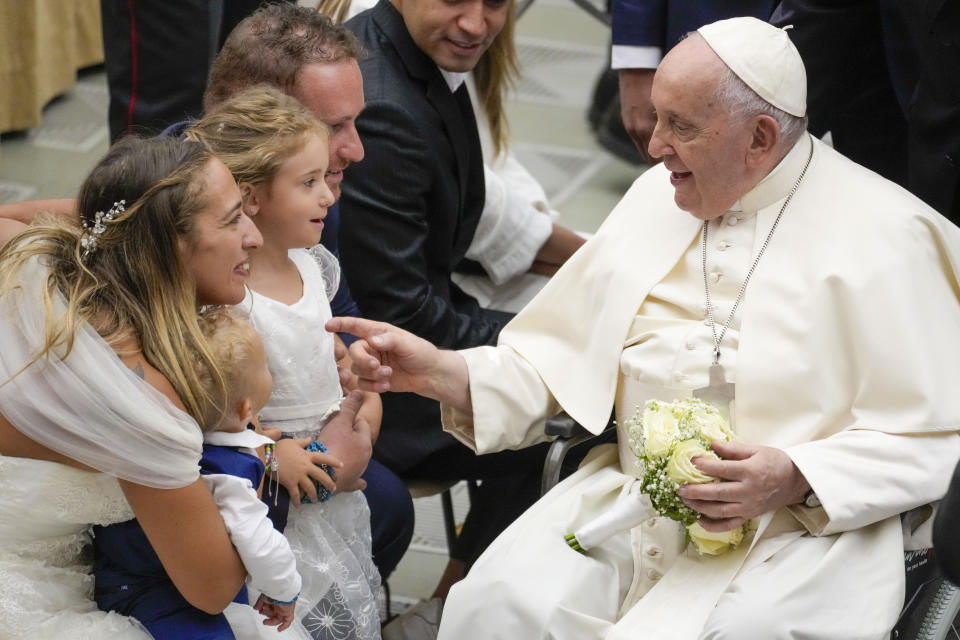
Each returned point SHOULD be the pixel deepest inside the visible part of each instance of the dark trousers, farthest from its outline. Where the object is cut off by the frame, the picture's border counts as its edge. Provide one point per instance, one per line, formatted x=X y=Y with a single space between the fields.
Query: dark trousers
x=391 y=516
x=158 y=54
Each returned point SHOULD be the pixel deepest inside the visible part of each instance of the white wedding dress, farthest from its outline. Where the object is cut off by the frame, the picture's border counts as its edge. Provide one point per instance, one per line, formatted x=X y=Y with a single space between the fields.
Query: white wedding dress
x=46 y=586
x=89 y=407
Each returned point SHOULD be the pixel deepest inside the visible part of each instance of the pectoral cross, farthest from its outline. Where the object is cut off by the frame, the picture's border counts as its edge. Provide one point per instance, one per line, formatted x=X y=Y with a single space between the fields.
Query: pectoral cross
x=719 y=392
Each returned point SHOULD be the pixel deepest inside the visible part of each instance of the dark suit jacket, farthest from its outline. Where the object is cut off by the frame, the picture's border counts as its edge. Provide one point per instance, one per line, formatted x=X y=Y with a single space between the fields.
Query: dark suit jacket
x=661 y=23
x=882 y=77
x=409 y=211
x=933 y=115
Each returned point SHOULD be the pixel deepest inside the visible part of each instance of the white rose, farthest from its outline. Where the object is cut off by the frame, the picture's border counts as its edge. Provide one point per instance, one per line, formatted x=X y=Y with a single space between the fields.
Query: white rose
x=680 y=467
x=711 y=543
x=711 y=423
x=660 y=429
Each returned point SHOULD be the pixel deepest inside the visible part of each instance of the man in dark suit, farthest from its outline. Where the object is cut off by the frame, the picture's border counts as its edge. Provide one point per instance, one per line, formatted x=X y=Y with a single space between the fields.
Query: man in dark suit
x=883 y=80
x=410 y=210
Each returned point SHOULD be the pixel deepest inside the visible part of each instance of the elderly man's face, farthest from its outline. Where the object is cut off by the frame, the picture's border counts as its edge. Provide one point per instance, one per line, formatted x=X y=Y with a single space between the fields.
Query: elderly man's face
x=334 y=93
x=454 y=33
x=702 y=146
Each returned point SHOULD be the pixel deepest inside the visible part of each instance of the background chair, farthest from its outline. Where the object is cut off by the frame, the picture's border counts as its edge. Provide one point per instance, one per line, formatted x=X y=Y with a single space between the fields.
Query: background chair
x=427 y=488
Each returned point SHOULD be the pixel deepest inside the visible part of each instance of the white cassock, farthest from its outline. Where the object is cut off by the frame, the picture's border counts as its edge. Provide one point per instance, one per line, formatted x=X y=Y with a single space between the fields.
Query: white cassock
x=845 y=353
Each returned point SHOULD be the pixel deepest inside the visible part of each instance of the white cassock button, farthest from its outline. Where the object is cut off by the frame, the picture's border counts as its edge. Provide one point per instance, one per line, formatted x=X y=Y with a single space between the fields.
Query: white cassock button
x=715 y=276
x=653 y=575
x=678 y=376
x=651 y=522
x=732 y=220
x=691 y=346
x=723 y=245
x=653 y=551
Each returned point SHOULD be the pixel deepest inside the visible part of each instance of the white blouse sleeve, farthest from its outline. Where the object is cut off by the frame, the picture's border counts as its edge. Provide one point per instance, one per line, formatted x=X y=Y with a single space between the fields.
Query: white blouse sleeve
x=510 y=232
x=88 y=405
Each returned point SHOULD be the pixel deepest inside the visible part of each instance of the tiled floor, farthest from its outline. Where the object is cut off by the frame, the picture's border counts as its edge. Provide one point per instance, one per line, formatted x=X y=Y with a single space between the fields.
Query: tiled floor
x=561 y=49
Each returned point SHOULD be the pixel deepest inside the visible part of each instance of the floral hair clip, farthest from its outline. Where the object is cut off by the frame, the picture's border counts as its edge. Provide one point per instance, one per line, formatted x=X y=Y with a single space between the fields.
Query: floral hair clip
x=90 y=232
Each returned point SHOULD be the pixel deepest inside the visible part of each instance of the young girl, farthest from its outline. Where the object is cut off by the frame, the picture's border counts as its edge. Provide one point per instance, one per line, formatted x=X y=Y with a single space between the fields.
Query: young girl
x=277 y=151
x=128 y=575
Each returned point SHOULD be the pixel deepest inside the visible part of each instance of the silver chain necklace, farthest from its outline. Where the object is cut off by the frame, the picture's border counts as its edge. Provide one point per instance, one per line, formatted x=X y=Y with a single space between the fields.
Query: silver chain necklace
x=743 y=287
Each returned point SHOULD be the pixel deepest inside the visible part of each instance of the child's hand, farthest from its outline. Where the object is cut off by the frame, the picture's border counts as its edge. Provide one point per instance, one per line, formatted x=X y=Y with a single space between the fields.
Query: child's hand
x=277 y=614
x=299 y=468
x=273 y=433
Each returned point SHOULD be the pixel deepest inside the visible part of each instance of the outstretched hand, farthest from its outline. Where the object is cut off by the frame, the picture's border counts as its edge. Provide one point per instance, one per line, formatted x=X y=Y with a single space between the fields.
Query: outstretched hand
x=386 y=358
x=753 y=480
x=390 y=359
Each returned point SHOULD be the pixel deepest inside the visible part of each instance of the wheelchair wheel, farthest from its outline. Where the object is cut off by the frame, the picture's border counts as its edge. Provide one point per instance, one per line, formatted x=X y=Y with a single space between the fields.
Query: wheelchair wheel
x=937 y=614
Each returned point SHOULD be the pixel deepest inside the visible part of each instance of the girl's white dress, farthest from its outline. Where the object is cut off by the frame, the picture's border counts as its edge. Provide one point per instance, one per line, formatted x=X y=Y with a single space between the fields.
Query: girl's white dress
x=331 y=540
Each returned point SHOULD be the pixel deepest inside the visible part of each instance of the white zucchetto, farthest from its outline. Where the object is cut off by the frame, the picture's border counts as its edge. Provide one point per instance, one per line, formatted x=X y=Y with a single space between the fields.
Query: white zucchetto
x=763 y=56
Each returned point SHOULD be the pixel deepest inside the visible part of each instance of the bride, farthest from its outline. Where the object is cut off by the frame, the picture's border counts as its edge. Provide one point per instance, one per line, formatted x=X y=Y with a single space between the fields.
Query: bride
x=96 y=323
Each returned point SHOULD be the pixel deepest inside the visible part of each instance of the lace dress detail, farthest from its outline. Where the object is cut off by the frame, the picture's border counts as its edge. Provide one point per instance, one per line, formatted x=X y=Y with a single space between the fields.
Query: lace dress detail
x=46 y=588
x=331 y=540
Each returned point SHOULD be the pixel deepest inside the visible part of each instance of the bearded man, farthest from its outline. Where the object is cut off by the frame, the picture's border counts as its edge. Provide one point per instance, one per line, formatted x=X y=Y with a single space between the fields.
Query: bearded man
x=825 y=294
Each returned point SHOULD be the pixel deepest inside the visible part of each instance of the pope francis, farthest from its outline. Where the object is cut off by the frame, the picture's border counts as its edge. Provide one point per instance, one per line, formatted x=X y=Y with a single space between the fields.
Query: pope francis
x=755 y=265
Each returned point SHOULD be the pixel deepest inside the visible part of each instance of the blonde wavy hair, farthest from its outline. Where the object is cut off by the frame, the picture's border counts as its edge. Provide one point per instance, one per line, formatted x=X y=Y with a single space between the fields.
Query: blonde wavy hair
x=256 y=130
x=135 y=286
x=494 y=74
x=232 y=341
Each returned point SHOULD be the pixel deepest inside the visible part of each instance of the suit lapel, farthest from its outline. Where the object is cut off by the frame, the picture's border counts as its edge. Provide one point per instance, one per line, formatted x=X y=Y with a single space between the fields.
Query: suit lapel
x=454 y=109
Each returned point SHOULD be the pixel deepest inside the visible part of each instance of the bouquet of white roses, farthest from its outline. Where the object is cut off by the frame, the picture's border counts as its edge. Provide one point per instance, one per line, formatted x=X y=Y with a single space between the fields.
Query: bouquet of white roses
x=666 y=436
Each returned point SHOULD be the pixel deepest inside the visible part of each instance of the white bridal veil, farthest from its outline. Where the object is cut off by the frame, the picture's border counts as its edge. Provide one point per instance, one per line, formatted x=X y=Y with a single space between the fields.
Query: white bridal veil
x=89 y=406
